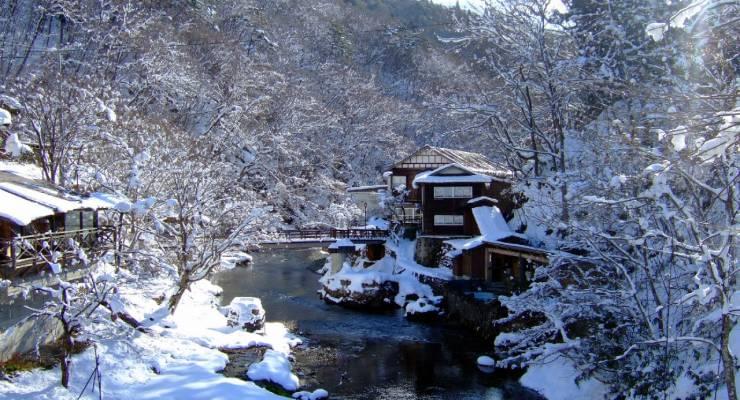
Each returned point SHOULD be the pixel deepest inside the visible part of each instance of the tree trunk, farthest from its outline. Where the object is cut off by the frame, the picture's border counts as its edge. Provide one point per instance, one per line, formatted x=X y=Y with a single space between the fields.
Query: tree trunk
x=728 y=361
x=65 y=364
x=181 y=288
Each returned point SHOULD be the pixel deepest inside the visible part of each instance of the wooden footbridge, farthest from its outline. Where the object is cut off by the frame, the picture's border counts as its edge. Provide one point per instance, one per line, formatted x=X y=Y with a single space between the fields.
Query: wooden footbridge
x=302 y=238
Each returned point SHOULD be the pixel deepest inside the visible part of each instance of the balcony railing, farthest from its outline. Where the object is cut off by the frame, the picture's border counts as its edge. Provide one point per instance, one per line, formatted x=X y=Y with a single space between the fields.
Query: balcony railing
x=408 y=215
x=24 y=255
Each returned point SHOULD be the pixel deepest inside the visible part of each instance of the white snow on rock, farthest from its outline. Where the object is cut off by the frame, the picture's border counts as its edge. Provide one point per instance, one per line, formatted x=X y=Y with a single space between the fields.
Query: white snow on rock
x=421 y=306
x=5 y=118
x=317 y=394
x=246 y=312
x=405 y=262
x=486 y=361
x=274 y=367
x=359 y=279
x=232 y=259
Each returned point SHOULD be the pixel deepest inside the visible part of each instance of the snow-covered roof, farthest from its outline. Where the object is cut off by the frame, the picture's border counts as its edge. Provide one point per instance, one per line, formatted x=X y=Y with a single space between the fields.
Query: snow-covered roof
x=481 y=199
x=369 y=188
x=435 y=176
x=41 y=195
x=492 y=226
x=21 y=211
x=25 y=200
x=474 y=161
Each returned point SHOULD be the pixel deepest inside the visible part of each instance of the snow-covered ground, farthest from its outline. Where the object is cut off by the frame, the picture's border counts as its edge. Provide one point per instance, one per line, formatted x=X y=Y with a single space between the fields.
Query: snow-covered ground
x=556 y=381
x=29 y=171
x=405 y=263
x=179 y=359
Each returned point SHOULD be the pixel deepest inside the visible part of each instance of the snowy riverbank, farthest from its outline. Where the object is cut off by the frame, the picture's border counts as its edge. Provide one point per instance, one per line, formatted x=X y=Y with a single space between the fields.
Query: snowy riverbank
x=179 y=359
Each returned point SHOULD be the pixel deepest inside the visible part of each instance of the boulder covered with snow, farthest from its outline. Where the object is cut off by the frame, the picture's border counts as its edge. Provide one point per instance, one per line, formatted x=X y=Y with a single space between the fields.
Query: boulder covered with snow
x=358 y=291
x=246 y=313
x=486 y=364
x=486 y=361
x=423 y=310
x=233 y=259
x=276 y=368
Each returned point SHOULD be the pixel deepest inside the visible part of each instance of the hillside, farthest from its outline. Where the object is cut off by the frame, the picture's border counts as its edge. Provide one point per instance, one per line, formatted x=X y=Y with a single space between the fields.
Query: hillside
x=296 y=97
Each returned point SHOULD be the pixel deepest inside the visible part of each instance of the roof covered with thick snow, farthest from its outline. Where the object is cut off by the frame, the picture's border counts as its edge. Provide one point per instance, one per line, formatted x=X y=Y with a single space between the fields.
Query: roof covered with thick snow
x=438 y=176
x=492 y=226
x=24 y=200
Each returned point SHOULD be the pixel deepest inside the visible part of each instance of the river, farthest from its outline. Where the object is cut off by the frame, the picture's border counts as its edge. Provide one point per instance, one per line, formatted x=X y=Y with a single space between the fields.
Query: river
x=358 y=355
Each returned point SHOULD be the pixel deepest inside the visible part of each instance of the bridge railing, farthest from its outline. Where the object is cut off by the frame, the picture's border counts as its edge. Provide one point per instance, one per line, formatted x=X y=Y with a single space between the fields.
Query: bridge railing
x=360 y=233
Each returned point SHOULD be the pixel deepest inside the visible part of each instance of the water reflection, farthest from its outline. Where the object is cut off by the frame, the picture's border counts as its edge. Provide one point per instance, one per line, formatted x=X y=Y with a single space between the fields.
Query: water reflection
x=365 y=356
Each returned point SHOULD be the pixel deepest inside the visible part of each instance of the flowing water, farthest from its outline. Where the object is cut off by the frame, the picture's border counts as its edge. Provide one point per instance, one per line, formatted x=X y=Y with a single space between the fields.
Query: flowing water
x=358 y=355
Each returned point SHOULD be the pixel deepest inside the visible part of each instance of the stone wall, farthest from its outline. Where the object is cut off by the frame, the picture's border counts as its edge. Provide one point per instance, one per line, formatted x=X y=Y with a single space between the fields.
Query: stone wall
x=25 y=335
x=429 y=251
x=473 y=314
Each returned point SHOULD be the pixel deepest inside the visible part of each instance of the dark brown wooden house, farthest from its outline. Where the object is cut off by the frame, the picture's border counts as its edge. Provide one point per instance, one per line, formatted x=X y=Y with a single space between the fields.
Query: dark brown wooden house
x=38 y=221
x=440 y=182
x=495 y=256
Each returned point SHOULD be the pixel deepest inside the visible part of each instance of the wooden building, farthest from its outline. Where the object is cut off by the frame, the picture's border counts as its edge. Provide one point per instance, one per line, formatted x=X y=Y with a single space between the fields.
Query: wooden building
x=499 y=265
x=39 y=224
x=439 y=183
x=499 y=258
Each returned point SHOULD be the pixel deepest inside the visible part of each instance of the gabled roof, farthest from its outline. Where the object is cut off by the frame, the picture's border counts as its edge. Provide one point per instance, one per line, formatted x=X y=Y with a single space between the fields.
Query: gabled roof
x=492 y=226
x=473 y=161
x=435 y=176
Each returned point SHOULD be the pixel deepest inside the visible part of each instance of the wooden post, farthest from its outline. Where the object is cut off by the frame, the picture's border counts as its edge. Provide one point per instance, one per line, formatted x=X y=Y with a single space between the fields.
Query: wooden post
x=12 y=254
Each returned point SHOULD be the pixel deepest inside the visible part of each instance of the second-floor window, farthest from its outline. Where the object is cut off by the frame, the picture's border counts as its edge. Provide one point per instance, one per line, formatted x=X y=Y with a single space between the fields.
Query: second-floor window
x=397 y=180
x=441 y=219
x=453 y=192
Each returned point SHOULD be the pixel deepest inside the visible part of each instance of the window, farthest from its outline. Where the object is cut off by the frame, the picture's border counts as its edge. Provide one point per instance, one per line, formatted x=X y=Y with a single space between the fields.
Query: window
x=72 y=221
x=453 y=192
x=441 y=219
x=397 y=181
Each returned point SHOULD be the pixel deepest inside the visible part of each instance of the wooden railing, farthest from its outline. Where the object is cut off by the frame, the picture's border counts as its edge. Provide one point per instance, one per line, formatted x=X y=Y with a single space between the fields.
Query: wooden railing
x=23 y=255
x=304 y=234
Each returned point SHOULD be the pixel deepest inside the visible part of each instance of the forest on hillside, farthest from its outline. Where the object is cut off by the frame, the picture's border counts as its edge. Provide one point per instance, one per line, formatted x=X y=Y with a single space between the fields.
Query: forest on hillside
x=619 y=120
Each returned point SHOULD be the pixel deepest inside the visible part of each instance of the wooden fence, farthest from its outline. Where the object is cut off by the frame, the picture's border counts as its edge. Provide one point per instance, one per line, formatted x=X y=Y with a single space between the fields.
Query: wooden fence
x=305 y=234
x=25 y=255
